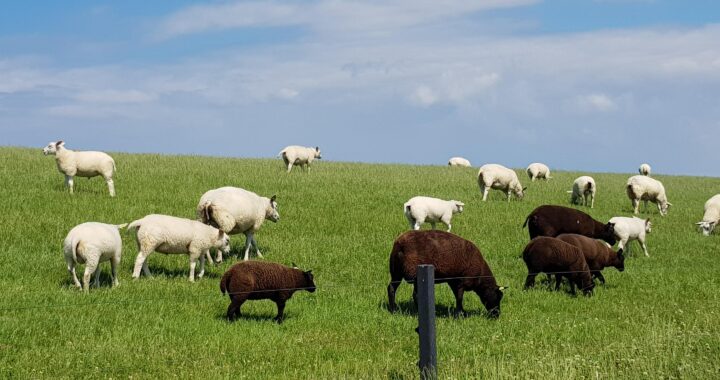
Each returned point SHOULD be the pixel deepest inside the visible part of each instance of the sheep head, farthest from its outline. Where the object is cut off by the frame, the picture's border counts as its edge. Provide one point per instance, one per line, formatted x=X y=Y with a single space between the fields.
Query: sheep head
x=271 y=212
x=317 y=153
x=707 y=227
x=52 y=147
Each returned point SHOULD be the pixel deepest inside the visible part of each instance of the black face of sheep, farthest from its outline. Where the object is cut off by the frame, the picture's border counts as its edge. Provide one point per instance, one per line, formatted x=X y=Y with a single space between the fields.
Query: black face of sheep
x=608 y=234
x=310 y=281
x=491 y=300
x=619 y=263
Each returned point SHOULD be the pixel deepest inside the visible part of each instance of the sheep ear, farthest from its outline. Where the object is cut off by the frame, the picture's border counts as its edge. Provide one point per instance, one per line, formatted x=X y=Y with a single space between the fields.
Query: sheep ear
x=317 y=148
x=669 y=204
x=272 y=199
x=295 y=266
x=220 y=233
x=699 y=223
x=620 y=252
x=503 y=287
x=524 y=188
x=59 y=143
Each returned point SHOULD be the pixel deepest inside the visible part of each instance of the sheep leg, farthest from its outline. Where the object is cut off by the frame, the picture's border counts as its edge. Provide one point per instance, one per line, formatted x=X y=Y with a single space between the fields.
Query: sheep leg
x=248 y=243
x=599 y=276
x=558 y=281
x=449 y=226
x=530 y=280
x=257 y=250
x=592 y=201
x=141 y=263
x=202 y=263
x=484 y=190
x=208 y=257
x=111 y=186
x=645 y=206
x=391 y=290
x=90 y=268
x=644 y=247
x=69 y=183
x=458 y=291
x=193 y=263
x=636 y=205
x=114 y=264
x=281 y=311
x=71 y=269
x=432 y=225
x=97 y=277
x=234 y=308
x=509 y=194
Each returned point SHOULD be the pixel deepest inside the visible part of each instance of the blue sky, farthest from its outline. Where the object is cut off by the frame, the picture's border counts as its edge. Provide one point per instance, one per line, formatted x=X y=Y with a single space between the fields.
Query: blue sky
x=578 y=84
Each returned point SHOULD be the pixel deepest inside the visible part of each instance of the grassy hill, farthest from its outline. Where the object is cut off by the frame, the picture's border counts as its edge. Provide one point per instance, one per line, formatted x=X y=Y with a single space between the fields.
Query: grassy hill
x=658 y=319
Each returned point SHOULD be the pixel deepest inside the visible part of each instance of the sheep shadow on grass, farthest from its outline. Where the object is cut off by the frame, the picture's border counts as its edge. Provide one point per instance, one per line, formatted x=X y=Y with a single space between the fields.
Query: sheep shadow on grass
x=183 y=272
x=442 y=310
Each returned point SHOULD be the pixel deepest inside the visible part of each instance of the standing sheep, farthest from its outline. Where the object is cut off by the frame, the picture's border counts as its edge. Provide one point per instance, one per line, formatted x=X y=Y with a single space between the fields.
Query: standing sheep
x=257 y=280
x=92 y=243
x=459 y=161
x=299 y=155
x=457 y=261
x=82 y=164
x=554 y=256
x=642 y=188
x=583 y=188
x=644 y=169
x=172 y=235
x=629 y=229
x=598 y=255
x=419 y=210
x=235 y=210
x=711 y=218
x=537 y=170
x=494 y=176
x=551 y=220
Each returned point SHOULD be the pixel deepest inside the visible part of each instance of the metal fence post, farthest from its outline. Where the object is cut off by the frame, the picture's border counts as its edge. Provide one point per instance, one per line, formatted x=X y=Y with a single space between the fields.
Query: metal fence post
x=425 y=283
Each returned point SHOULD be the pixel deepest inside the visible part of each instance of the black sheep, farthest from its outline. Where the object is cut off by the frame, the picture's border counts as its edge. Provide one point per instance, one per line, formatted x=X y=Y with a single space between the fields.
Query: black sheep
x=257 y=280
x=457 y=261
x=554 y=256
x=551 y=220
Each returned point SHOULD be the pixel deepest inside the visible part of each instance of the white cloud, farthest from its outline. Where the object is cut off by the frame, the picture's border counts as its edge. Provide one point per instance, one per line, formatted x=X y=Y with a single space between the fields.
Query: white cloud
x=597 y=102
x=424 y=96
x=115 y=96
x=327 y=15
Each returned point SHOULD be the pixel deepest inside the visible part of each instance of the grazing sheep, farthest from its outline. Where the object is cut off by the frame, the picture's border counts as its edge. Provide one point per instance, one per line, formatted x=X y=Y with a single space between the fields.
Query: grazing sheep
x=494 y=176
x=629 y=229
x=235 y=210
x=172 y=235
x=82 y=164
x=551 y=220
x=457 y=261
x=554 y=256
x=299 y=155
x=642 y=188
x=257 y=280
x=537 y=170
x=419 y=210
x=598 y=255
x=92 y=243
x=459 y=161
x=583 y=188
x=644 y=169
x=711 y=218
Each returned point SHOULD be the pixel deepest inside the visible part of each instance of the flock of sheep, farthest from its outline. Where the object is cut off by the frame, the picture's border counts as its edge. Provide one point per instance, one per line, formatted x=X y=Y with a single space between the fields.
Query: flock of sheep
x=562 y=239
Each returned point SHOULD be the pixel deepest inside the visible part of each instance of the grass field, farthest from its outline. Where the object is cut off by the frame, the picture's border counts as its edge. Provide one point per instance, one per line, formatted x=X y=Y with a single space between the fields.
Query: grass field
x=658 y=319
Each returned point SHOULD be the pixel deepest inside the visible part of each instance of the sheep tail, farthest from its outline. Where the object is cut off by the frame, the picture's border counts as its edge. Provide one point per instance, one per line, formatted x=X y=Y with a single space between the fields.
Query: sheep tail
x=74 y=248
x=225 y=282
x=589 y=186
x=206 y=212
x=134 y=225
x=407 y=209
x=121 y=226
x=282 y=153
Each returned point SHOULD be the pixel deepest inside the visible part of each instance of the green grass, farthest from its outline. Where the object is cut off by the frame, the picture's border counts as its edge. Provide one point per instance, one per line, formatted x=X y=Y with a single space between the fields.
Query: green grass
x=658 y=319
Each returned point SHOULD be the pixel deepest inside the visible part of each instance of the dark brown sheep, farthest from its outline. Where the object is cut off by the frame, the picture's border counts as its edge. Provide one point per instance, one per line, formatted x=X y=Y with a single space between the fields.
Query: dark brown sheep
x=550 y=220
x=457 y=261
x=258 y=280
x=553 y=256
x=597 y=254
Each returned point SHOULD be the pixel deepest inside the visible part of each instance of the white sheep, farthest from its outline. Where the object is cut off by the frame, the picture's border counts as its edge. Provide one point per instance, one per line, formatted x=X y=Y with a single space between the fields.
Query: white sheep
x=537 y=170
x=583 y=188
x=299 y=155
x=172 y=235
x=459 y=161
x=494 y=176
x=629 y=229
x=235 y=210
x=711 y=218
x=92 y=243
x=82 y=164
x=644 y=169
x=642 y=188
x=419 y=210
